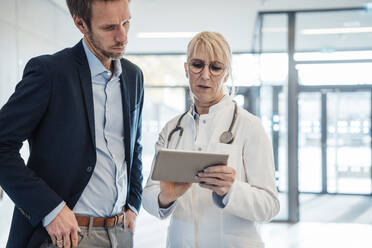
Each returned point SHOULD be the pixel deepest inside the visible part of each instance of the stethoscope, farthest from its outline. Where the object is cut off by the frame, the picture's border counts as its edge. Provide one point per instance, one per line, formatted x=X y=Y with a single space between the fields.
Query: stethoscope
x=226 y=137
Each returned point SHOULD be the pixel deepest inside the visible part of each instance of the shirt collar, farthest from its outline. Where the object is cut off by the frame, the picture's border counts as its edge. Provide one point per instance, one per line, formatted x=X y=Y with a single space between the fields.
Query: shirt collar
x=212 y=109
x=96 y=67
x=193 y=112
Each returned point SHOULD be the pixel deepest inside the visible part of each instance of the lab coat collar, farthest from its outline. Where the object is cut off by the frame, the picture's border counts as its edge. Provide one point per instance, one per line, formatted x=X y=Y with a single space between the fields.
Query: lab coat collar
x=213 y=109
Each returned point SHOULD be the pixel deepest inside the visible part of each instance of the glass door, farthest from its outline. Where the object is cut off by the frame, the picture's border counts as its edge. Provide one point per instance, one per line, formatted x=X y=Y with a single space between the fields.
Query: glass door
x=349 y=142
x=335 y=140
x=310 y=142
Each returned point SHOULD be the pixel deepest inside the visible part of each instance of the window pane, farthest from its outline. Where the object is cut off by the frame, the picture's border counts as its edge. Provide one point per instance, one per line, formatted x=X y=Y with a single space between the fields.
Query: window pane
x=161 y=104
x=334 y=30
x=335 y=74
x=161 y=69
x=348 y=148
x=274 y=33
x=310 y=152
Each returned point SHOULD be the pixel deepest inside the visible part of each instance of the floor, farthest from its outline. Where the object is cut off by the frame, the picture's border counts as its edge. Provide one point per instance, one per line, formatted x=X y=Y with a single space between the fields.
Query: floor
x=331 y=208
x=351 y=225
x=317 y=235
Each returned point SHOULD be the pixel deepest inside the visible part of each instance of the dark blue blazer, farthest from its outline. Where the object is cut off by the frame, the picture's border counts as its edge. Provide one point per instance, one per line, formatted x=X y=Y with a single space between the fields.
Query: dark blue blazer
x=52 y=108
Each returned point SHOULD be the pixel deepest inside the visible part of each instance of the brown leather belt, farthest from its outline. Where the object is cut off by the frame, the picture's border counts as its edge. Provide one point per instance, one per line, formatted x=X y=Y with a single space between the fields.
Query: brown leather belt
x=101 y=222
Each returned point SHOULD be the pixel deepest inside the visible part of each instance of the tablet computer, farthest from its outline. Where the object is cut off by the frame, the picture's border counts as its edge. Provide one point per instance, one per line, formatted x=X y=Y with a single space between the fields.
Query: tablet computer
x=182 y=166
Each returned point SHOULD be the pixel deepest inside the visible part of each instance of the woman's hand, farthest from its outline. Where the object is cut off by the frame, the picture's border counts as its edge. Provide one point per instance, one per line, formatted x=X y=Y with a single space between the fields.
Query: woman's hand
x=169 y=192
x=217 y=178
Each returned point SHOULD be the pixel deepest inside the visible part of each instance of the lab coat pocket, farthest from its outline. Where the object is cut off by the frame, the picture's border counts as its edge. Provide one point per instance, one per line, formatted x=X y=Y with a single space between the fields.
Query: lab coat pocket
x=234 y=152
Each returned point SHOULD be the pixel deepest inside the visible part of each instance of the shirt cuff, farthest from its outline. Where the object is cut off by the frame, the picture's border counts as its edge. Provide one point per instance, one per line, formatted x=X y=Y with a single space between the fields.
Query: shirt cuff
x=133 y=209
x=164 y=212
x=47 y=219
x=221 y=201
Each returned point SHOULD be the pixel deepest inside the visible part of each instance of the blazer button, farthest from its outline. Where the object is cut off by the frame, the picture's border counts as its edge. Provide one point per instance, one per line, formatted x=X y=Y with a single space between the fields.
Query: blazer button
x=89 y=169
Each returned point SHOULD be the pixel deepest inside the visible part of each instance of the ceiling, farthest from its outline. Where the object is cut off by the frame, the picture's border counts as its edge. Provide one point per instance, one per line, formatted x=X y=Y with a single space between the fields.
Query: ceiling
x=235 y=19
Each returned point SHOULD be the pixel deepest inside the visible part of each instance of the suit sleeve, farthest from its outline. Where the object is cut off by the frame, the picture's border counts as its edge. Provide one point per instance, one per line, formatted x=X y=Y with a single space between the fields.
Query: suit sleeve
x=19 y=120
x=135 y=193
x=256 y=199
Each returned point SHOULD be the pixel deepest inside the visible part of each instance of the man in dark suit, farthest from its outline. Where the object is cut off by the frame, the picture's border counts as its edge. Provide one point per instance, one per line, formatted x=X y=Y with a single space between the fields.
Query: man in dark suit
x=80 y=110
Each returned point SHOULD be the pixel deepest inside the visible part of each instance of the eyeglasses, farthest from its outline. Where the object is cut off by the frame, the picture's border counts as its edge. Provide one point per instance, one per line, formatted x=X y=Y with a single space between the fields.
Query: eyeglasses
x=215 y=68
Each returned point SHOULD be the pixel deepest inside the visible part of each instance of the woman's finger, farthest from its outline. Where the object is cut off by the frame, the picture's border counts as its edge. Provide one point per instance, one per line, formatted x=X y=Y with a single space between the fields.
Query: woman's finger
x=215 y=181
x=222 y=176
x=220 y=169
x=218 y=190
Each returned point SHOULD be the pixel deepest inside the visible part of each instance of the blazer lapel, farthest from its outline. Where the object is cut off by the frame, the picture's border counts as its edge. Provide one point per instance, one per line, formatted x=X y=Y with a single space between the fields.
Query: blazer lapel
x=86 y=87
x=126 y=115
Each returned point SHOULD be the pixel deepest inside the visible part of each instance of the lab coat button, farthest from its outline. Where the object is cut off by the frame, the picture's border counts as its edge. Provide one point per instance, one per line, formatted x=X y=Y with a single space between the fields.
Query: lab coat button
x=199 y=149
x=204 y=121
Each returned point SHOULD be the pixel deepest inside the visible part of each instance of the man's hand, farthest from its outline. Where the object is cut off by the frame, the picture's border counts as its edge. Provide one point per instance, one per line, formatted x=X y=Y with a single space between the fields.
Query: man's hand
x=64 y=227
x=130 y=219
x=169 y=192
x=217 y=178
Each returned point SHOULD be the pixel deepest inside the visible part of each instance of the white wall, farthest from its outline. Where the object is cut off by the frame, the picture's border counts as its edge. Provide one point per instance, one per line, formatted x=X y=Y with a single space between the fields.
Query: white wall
x=29 y=28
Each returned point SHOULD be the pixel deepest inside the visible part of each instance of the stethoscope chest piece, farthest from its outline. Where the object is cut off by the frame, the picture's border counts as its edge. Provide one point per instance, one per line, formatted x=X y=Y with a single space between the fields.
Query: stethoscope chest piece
x=226 y=137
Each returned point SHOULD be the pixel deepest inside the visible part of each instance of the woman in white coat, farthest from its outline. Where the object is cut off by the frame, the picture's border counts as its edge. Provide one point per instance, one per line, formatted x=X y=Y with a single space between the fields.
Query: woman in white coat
x=222 y=210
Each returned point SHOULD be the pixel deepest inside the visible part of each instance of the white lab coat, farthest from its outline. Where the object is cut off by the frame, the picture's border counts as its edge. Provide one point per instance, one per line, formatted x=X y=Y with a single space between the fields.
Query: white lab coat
x=197 y=221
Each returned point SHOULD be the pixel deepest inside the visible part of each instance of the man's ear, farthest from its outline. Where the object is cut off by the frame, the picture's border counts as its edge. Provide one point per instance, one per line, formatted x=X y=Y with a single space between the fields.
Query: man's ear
x=81 y=25
x=186 y=70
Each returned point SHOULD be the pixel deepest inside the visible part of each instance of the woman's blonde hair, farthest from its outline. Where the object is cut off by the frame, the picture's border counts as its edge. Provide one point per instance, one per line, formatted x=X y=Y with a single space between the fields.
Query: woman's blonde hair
x=215 y=44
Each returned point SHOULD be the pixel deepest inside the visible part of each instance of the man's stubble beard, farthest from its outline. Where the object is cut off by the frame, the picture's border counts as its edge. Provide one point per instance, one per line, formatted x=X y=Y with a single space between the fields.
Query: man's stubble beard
x=97 y=45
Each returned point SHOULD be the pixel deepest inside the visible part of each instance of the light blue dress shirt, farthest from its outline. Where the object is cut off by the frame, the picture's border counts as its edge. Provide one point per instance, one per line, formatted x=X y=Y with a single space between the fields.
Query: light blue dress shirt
x=106 y=192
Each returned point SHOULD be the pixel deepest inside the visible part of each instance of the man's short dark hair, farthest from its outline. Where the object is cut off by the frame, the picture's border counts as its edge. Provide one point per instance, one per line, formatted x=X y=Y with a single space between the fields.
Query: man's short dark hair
x=83 y=9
